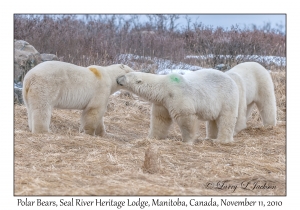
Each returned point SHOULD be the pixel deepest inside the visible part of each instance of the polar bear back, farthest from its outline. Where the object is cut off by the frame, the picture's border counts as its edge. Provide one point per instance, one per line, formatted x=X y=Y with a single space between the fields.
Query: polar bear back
x=65 y=74
x=216 y=88
x=255 y=78
x=68 y=86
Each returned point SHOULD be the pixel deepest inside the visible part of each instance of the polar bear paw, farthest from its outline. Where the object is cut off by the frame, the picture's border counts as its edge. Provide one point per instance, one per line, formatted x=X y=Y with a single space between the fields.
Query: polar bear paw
x=219 y=141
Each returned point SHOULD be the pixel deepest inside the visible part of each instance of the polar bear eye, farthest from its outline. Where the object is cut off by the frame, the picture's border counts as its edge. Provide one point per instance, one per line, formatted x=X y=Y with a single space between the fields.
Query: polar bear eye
x=138 y=81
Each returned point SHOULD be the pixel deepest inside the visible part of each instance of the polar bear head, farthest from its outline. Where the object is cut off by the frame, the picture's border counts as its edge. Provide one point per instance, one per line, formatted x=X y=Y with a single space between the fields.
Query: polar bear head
x=146 y=85
x=109 y=74
x=128 y=79
x=125 y=68
x=117 y=70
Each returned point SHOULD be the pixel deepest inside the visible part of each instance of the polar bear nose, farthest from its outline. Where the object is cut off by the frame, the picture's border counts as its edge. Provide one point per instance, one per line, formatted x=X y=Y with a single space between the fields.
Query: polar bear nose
x=120 y=80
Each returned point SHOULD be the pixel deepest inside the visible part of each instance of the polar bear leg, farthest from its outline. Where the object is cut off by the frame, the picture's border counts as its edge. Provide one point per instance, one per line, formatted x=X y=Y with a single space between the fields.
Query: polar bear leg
x=160 y=122
x=100 y=130
x=40 y=119
x=188 y=127
x=211 y=129
x=29 y=118
x=38 y=109
x=267 y=110
x=90 y=119
x=241 y=122
x=226 y=125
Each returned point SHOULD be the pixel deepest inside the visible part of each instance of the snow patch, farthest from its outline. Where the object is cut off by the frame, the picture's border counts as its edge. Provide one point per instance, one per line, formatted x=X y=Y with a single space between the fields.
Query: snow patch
x=280 y=61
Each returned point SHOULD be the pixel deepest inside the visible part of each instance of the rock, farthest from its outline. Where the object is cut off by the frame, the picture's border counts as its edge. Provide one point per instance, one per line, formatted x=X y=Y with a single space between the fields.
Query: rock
x=25 y=58
x=49 y=57
x=151 y=162
x=18 y=98
x=222 y=67
x=25 y=46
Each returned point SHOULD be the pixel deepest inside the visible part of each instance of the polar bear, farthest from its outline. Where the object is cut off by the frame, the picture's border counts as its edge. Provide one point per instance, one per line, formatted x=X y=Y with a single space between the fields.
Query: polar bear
x=55 y=84
x=255 y=87
x=208 y=95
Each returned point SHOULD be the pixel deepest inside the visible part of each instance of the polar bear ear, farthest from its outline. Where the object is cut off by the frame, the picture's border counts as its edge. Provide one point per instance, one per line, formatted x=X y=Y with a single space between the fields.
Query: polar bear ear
x=122 y=66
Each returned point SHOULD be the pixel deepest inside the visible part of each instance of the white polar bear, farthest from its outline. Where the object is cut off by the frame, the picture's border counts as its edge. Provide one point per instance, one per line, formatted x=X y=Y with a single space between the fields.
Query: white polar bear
x=55 y=84
x=255 y=87
x=208 y=95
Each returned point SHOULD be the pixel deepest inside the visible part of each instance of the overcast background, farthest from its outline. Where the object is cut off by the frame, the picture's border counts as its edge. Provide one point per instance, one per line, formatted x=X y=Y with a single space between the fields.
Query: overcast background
x=226 y=21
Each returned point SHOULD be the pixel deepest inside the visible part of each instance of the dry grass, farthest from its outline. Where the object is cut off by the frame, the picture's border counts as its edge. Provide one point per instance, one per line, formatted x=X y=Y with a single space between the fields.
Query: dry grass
x=66 y=162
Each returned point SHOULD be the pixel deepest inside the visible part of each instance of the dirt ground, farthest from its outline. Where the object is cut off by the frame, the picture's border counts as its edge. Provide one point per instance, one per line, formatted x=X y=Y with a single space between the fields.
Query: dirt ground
x=66 y=162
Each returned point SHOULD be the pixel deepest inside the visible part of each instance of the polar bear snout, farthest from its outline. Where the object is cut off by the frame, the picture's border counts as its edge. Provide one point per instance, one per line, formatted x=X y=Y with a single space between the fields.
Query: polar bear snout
x=121 y=80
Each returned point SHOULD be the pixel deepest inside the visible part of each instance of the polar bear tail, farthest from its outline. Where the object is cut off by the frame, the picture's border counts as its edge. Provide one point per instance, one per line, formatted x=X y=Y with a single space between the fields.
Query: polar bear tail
x=26 y=86
x=25 y=90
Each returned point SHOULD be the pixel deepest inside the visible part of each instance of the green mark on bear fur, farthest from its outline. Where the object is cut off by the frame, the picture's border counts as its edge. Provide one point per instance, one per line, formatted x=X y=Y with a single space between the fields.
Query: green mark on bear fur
x=174 y=78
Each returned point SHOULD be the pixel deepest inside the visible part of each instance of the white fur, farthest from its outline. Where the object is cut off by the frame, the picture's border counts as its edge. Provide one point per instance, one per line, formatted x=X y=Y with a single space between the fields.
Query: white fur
x=55 y=84
x=255 y=87
x=208 y=95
